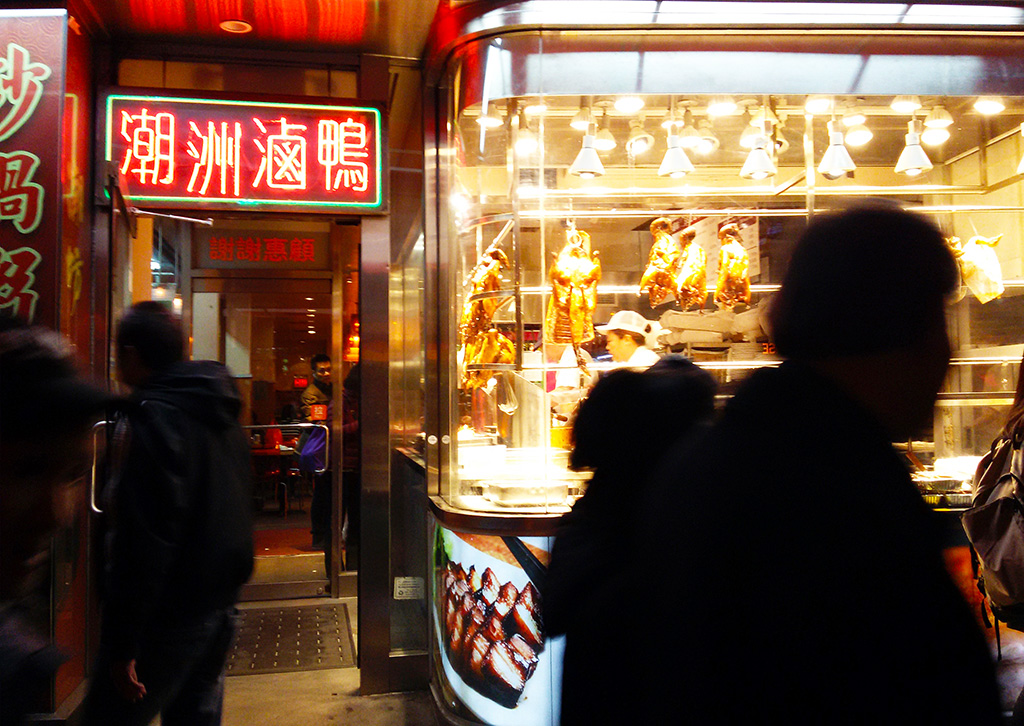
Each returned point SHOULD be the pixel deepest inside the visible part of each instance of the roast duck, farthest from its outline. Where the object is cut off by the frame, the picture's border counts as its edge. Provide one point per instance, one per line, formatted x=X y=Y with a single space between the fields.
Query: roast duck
x=574 y=276
x=659 y=279
x=483 y=343
x=693 y=272
x=733 y=270
x=493 y=632
x=978 y=265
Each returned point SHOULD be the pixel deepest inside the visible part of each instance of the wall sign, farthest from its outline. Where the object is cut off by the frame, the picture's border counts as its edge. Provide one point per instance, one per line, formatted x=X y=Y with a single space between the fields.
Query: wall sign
x=234 y=154
x=260 y=249
x=31 y=93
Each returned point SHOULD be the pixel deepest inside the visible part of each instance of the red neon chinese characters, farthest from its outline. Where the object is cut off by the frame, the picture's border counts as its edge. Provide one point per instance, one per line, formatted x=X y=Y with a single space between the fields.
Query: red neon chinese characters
x=150 y=153
x=21 y=199
x=222 y=248
x=249 y=249
x=343 y=145
x=21 y=86
x=301 y=250
x=275 y=249
x=284 y=156
x=218 y=155
x=17 y=279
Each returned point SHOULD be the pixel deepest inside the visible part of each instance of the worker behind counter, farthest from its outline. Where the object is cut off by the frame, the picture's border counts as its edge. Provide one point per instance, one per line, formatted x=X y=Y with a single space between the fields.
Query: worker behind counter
x=630 y=339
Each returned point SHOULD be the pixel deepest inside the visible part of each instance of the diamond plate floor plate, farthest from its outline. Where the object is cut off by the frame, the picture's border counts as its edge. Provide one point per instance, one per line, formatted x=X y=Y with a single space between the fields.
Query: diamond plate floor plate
x=282 y=639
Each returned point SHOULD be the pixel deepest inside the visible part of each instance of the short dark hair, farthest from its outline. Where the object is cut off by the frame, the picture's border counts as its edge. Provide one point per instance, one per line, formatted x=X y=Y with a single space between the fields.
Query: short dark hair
x=639 y=338
x=865 y=280
x=319 y=358
x=41 y=390
x=154 y=331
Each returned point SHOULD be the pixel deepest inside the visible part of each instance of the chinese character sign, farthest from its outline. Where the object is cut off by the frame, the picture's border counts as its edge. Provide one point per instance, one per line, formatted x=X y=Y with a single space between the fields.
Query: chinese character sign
x=239 y=154
x=260 y=248
x=32 y=52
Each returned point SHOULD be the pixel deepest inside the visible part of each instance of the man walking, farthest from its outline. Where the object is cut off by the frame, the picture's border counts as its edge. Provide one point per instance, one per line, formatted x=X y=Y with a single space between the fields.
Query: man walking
x=180 y=542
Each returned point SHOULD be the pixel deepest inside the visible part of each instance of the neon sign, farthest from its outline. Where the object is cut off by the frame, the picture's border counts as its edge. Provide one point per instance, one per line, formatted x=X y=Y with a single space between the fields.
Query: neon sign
x=229 y=154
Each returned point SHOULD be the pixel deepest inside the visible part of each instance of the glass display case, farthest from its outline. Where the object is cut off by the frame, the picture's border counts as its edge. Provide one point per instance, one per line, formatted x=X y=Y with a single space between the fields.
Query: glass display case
x=671 y=175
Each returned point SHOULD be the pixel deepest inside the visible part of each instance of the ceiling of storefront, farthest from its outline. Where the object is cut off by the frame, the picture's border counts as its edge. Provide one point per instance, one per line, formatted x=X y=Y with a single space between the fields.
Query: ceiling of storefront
x=389 y=27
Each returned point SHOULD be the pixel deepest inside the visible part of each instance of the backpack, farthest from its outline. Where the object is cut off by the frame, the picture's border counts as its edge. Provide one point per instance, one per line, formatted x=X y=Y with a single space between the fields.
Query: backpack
x=995 y=527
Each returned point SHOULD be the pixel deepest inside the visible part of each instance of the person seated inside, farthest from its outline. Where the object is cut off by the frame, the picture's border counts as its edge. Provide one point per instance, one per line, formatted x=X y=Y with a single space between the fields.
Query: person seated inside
x=629 y=336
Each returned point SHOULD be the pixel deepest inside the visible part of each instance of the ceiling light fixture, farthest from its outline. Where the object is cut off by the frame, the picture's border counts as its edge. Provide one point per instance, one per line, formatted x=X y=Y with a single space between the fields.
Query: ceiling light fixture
x=989 y=105
x=689 y=136
x=604 y=141
x=536 y=108
x=708 y=139
x=759 y=164
x=526 y=140
x=628 y=104
x=721 y=106
x=913 y=159
x=587 y=164
x=934 y=136
x=675 y=163
x=238 y=27
x=492 y=118
x=905 y=104
x=817 y=105
x=938 y=118
x=639 y=141
x=583 y=118
x=858 y=135
x=853 y=117
x=836 y=161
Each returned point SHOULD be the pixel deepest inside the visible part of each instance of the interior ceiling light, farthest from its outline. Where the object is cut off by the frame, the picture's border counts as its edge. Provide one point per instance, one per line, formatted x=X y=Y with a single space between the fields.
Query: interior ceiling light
x=708 y=139
x=492 y=119
x=817 y=105
x=762 y=116
x=628 y=104
x=535 y=108
x=671 y=122
x=934 y=136
x=989 y=105
x=836 y=161
x=675 y=163
x=639 y=141
x=759 y=165
x=858 y=135
x=721 y=106
x=749 y=136
x=913 y=160
x=689 y=136
x=853 y=117
x=938 y=118
x=526 y=140
x=587 y=164
x=235 y=26
x=905 y=104
x=604 y=141
x=582 y=120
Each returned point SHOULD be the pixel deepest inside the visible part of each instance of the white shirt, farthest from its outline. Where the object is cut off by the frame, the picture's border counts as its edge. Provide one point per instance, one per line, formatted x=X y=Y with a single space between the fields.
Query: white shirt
x=642 y=358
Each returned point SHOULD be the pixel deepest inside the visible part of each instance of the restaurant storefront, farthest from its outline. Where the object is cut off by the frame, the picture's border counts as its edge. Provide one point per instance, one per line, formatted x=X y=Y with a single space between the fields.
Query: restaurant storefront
x=571 y=144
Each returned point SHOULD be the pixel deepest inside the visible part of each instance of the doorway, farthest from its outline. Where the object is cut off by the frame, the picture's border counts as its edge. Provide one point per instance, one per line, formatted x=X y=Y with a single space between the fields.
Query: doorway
x=267 y=332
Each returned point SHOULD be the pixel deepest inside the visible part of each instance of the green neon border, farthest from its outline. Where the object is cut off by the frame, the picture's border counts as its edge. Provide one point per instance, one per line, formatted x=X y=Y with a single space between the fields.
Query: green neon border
x=250 y=202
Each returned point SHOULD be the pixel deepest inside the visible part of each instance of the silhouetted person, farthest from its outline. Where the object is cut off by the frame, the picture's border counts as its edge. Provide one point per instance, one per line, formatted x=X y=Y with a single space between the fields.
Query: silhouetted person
x=180 y=542
x=623 y=428
x=787 y=570
x=46 y=411
x=319 y=392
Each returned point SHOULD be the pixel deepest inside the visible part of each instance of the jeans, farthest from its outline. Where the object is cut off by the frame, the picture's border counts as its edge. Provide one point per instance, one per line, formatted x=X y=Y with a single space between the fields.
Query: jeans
x=182 y=668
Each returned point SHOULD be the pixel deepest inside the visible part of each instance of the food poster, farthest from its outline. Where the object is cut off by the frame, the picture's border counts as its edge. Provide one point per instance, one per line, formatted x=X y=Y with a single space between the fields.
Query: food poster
x=489 y=626
x=706 y=229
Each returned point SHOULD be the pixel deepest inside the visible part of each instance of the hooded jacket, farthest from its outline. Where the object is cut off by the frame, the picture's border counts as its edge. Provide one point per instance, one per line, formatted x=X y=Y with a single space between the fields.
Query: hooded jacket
x=180 y=544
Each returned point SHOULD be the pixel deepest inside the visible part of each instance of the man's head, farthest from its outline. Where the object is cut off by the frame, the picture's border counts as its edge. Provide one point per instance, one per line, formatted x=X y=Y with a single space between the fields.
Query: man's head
x=865 y=293
x=149 y=340
x=321 y=365
x=46 y=411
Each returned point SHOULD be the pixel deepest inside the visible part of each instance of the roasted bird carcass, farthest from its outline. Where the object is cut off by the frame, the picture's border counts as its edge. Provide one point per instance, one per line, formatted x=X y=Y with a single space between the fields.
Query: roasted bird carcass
x=493 y=632
x=693 y=273
x=659 y=279
x=485 y=277
x=574 y=277
x=733 y=270
x=979 y=266
x=491 y=346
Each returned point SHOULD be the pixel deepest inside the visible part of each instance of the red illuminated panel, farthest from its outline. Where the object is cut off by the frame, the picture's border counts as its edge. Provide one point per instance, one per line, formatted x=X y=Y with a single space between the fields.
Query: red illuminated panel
x=299 y=382
x=241 y=154
x=287 y=17
x=342 y=22
x=161 y=16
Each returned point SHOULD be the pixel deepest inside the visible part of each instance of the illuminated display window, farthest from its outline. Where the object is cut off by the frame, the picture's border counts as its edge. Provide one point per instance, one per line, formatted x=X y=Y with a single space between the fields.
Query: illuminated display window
x=228 y=154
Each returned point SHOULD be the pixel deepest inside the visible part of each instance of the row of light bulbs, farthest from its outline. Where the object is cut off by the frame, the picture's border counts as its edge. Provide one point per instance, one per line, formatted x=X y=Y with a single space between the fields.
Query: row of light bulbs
x=682 y=134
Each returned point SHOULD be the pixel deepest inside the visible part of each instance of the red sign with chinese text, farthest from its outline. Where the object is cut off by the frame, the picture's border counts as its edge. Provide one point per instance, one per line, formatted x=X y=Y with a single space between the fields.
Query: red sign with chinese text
x=31 y=93
x=260 y=248
x=233 y=154
x=299 y=382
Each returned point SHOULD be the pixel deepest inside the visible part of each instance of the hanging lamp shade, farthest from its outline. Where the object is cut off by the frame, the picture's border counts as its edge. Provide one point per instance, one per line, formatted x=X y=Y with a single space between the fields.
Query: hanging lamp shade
x=836 y=161
x=675 y=163
x=913 y=159
x=587 y=164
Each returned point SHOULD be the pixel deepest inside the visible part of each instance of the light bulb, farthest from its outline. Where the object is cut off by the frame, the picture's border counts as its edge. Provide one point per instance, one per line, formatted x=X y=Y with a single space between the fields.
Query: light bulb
x=905 y=104
x=858 y=135
x=989 y=105
x=721 y=106
x=628 y=104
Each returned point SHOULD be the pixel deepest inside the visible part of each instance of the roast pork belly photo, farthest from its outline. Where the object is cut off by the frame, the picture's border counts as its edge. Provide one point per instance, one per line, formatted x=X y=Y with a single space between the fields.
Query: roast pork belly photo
x=493 y=632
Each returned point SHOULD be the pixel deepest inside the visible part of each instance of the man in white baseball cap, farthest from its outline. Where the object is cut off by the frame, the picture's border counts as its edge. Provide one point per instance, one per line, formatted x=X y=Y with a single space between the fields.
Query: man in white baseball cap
x=629 y=333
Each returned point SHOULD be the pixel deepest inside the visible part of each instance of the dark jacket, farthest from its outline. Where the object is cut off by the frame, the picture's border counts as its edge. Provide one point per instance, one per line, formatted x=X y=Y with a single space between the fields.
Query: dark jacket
x=794 y=575
x=181 y=539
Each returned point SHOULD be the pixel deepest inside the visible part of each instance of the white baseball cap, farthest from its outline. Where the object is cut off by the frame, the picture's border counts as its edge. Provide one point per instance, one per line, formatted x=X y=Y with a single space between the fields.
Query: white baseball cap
x=629 y=321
